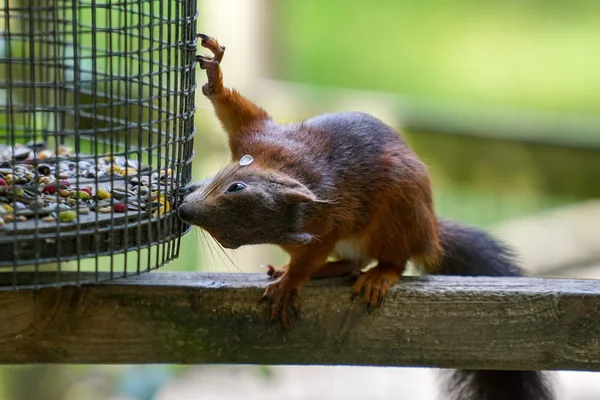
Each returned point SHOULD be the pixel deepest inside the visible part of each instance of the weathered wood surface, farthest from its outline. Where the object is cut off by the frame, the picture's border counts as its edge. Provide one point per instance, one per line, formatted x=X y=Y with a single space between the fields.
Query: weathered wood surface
x=450 y=322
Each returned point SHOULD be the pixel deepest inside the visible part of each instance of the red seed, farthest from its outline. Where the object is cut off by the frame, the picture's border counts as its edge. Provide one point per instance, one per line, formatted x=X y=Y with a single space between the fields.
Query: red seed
x=119 y=207
x=3 y=182
x=49 y=189
x=67 y=184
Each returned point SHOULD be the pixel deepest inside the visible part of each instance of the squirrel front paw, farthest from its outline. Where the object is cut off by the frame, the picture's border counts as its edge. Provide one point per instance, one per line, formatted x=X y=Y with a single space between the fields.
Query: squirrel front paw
x=211 y=64
x=284 y=297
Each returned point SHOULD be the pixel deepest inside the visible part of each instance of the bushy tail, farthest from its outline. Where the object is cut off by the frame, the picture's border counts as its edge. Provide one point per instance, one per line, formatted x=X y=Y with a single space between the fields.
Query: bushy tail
x=473 y=252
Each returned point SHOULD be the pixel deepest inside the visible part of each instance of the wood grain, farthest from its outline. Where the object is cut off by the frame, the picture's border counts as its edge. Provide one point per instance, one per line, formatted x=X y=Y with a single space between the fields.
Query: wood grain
x=449 y=322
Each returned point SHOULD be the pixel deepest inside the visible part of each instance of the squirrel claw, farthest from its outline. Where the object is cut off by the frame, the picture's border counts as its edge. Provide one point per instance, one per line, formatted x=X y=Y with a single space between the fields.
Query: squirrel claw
x=373 y=286
x=212 y=44
x=284 y=300
x=204 y=61
x=263 y=298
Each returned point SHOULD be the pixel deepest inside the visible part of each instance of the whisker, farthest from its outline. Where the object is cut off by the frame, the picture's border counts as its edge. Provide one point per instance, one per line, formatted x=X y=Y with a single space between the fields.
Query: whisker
x=224 y=174
x=198 y=233
x=232 y=262
x=218 y=249
x=208 y=244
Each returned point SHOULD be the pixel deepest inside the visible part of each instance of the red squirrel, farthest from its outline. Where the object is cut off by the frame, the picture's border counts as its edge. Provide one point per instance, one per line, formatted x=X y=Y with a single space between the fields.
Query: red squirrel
x=346 y=186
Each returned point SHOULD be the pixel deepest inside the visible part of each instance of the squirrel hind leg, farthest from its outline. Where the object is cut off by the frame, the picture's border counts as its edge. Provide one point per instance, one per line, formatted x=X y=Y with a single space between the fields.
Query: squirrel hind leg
x=338 y=269
x=373 y=285
x=331 y=269
x=238 y=115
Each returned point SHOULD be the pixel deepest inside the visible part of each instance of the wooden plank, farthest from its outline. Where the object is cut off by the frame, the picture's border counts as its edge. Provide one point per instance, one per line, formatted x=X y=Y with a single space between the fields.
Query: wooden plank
x=449 y=322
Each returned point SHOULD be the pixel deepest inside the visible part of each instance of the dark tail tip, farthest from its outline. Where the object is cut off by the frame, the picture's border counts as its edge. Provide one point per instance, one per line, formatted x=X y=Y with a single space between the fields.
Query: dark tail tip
x=472 y=252
x=498 y=385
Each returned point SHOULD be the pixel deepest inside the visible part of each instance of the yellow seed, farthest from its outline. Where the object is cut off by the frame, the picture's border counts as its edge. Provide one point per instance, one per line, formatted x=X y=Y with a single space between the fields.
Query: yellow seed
x=128 y=171
x=156 y=197
x=22 y=218
x=7 y=208
x=104 y=209
x=48 y=219
x=44 y=179
x=114 y=168
x=164 y=207
x=65 y=193
x=8 y=217
x=104 y=194
x=9 y=178
x=64 y=150
x=44 y=154
x=162 y=172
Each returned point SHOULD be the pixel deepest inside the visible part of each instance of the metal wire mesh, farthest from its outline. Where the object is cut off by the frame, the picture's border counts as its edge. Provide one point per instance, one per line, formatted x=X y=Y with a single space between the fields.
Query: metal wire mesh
x=96 y=128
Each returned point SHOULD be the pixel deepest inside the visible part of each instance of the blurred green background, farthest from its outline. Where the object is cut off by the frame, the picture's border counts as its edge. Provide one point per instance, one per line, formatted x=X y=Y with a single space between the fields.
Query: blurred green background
x=532 y=55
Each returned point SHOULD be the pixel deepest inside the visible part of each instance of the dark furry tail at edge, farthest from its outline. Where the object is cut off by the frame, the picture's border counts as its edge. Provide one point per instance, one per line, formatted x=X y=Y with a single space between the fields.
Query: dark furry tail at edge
x=473 y=252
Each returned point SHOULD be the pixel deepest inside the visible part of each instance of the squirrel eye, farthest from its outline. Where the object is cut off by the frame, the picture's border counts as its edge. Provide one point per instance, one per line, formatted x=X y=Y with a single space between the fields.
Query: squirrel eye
x=235 y=187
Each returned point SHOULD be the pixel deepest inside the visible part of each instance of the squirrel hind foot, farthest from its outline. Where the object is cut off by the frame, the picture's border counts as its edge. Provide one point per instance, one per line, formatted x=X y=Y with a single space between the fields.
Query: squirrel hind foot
x=211 y=64
x=331 y=269
x=272 y=272
x=211 y=44
x=213 y=73
x=373 y=285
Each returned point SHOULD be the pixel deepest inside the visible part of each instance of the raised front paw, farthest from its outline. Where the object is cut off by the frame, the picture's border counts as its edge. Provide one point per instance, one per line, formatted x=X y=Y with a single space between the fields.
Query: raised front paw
x=283 y=295
x=211 y=64
x=374 y=284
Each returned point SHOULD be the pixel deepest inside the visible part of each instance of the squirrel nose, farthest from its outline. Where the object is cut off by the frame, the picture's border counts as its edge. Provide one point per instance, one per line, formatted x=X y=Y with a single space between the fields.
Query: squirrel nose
x=183 y=212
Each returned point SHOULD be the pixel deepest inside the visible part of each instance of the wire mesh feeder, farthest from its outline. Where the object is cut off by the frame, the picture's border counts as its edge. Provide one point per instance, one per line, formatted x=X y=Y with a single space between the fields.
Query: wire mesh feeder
x=96 y=128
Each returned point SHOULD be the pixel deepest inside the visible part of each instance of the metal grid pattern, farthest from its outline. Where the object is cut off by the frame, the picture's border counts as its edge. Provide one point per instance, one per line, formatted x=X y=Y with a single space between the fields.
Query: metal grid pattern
x=96 y=129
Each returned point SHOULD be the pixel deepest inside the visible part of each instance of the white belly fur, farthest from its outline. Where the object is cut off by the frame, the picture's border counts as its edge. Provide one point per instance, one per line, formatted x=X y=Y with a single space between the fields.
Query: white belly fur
x=349 y=250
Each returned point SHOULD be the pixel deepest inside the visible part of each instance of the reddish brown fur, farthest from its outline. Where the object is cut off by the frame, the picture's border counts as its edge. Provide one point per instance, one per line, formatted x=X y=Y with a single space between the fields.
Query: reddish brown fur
x=358 y=211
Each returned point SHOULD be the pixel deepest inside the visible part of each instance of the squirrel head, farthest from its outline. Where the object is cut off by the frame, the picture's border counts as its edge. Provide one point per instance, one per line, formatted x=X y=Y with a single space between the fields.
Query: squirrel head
x=248 y=204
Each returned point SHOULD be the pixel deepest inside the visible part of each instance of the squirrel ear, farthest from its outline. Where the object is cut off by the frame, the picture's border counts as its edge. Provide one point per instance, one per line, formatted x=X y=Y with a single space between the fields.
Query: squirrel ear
x=294 y=191
x=299 y=195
